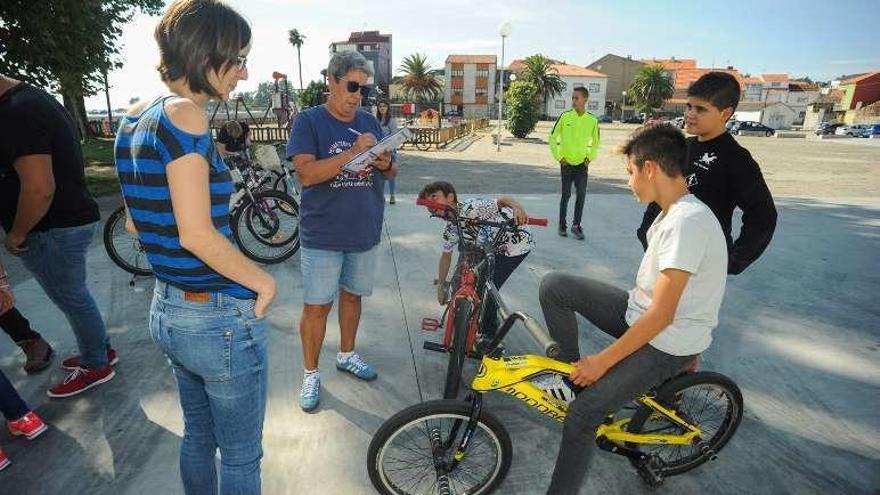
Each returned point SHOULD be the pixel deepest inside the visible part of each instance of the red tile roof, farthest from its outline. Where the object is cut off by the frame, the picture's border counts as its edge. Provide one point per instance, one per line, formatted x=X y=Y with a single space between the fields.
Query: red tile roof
x=774 y=77
x=566 y=70
x=672 y=63
x=861 y=78
x=471 y=59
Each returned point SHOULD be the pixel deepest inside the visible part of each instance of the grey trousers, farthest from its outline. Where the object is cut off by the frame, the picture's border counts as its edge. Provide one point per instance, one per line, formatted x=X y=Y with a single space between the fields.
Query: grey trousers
x=604 y=306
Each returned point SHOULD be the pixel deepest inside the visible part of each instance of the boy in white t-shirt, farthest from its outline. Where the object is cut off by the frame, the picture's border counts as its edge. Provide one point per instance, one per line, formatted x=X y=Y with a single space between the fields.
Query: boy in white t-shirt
x=662 y=324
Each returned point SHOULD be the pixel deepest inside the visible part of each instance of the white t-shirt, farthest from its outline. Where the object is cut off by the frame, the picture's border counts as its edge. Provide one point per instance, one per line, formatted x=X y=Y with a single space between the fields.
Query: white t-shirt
x=512 y=244
x=689 y=238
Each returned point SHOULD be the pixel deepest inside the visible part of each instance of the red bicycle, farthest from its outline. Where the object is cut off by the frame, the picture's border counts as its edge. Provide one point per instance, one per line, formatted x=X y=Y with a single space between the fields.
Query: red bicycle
x=471 y=286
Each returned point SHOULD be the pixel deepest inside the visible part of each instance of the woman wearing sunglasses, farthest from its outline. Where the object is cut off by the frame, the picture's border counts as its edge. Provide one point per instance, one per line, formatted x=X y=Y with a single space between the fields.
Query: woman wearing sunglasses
x=210 y=302
x=341 y=216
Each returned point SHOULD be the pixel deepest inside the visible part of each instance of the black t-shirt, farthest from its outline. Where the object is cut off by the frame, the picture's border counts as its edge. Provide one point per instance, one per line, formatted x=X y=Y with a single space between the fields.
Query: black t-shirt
x=724 y=176
x=233 y=145
x=33 y=123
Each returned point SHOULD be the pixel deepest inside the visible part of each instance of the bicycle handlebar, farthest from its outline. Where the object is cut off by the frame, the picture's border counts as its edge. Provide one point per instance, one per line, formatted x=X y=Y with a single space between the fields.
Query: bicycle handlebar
x=542 y=222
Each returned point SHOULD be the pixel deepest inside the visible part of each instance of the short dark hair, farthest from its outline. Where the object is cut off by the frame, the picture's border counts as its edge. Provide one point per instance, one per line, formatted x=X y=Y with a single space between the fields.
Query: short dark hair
x=660 y=143
x=197 y=35
x=583 y=91
x=718 y=88
x=441 y=186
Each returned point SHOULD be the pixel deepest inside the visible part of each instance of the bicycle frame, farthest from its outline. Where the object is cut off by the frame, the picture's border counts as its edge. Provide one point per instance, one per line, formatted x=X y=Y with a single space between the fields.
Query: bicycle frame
x=512 y=375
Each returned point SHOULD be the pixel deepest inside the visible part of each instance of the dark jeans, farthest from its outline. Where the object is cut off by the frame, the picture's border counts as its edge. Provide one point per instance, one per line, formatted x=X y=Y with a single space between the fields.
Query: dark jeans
x=577 y=175
x=17 y=326
x=11 y=404
x=57 y=260
x=604 y=306
x=504 y=267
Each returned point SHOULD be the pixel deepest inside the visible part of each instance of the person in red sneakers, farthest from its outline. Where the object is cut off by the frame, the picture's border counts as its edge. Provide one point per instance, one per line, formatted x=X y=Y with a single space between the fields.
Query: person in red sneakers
x=50 y=218
x=20 y=420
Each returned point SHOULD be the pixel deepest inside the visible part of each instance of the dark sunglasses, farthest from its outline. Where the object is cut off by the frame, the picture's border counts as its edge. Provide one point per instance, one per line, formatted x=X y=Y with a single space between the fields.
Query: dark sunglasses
x=354 y=86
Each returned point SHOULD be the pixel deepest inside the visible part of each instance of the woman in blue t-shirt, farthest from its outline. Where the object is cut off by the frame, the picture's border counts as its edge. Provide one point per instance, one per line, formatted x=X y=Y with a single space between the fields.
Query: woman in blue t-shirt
x=209 y=306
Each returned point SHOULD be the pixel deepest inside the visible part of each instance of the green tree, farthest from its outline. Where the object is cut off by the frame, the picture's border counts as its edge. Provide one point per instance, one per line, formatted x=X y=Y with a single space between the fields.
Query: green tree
x=650 y=88
x=419 y=80
x=297 y=39
x=313 y=95
x=522 y=105
x=66 y=46
x=539 y=70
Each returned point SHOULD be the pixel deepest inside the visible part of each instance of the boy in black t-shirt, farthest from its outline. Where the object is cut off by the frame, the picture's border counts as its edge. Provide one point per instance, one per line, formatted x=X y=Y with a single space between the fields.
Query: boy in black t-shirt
x=234 y=137
x=725 y=176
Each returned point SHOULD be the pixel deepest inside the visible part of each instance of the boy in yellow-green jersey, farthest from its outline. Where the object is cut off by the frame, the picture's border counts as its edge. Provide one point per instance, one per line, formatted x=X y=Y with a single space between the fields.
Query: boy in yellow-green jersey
x=574 y=143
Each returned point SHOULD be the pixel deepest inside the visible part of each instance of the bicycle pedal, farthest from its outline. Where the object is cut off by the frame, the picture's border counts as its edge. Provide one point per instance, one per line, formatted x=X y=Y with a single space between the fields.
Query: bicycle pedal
x=430 y=324
x=433 y=346
x=651 y=470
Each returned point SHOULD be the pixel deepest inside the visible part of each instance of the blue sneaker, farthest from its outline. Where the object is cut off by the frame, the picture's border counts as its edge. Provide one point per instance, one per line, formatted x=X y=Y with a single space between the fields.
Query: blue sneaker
x=310 y=395
x=357 y=367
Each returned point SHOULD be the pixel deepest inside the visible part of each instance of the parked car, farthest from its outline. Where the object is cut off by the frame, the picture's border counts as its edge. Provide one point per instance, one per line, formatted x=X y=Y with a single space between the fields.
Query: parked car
x=605 y=119
x=871 y=130
x=743 y=127
x=850 y=130
x=730 y=123
x=827 y=128
x=635 y=119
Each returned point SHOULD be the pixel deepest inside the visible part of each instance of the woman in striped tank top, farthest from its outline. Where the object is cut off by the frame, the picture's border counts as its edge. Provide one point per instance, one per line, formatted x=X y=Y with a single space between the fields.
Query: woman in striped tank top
x=210 y=302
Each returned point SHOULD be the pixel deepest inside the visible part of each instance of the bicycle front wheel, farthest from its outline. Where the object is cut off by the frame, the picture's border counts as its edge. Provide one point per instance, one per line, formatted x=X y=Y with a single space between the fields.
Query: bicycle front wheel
x=267 y=228
x=461 y=319
x=413 y=451
x=124 y=248
x=711 y=401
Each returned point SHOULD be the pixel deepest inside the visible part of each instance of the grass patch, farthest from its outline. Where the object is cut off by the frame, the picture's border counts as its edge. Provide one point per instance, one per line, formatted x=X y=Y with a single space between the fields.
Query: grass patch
x=100 y=167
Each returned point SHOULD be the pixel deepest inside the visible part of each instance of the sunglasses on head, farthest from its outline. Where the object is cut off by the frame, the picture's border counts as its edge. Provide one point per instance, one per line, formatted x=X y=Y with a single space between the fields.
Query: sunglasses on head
x=354 y=87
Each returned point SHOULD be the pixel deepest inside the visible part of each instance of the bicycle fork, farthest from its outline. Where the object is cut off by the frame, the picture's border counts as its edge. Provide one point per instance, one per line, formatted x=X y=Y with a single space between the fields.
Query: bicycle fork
x=440 y=447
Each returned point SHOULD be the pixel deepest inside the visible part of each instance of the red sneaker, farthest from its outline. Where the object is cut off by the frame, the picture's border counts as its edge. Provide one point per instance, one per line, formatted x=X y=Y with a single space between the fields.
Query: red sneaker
x=80 y=380
x=72 y=363
x=4 y=461
x=30 y=425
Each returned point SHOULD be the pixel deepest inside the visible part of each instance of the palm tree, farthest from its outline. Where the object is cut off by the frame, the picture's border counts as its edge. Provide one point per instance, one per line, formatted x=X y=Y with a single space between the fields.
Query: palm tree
x=651 y=88
x=419 y=80
x=539 y=70
x=297 y=39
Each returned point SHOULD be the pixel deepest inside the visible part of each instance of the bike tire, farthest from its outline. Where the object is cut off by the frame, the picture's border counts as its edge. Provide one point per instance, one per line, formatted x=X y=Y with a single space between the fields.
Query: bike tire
x=457 y=351
x=413 y=425
x=117 y=241
x=266 y=250
x=672 y=393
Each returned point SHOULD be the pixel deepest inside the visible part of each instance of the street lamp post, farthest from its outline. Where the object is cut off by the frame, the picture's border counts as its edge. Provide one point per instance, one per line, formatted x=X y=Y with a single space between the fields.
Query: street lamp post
x=622 y=104
x=504 y=31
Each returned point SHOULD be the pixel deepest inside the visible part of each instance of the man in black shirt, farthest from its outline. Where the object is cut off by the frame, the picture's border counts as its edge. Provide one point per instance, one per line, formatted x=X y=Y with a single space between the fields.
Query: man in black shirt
x=50 y=218
x=724 y=175
x=233 y=137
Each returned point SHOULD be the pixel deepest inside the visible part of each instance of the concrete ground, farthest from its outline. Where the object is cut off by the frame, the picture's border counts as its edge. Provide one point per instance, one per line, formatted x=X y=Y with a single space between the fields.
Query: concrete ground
x=798 y=332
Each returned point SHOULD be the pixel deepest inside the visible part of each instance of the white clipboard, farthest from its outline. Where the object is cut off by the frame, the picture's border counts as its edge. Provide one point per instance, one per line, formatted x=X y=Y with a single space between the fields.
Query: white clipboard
x=388 y=143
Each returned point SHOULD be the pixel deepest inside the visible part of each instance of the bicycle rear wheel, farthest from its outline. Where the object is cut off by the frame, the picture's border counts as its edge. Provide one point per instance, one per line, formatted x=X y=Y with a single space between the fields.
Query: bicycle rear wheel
x=123 y=248
x=412 y=451
x=461 y=319
x=708 y=400
x=267 y=228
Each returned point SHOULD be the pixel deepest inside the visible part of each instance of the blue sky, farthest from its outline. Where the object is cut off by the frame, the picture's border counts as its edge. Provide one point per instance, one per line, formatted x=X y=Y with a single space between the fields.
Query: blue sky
x=820 y=39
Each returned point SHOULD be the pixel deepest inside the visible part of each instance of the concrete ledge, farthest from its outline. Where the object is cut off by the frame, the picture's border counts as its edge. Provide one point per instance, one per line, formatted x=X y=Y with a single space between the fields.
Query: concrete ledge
x=750 y=133
x=833 y=136
x=784 y=134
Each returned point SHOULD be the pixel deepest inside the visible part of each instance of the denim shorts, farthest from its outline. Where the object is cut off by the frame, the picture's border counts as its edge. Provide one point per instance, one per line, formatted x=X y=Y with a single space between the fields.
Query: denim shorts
x=325 y=272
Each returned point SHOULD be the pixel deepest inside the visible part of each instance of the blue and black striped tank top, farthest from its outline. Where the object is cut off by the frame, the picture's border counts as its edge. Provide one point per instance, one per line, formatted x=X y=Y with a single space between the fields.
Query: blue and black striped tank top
x=145 y=145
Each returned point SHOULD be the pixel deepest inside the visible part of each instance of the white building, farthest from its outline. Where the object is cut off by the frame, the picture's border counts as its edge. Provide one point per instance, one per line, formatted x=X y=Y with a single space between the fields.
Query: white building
x=470 y=84
x=573 y=76
x=776 y=115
